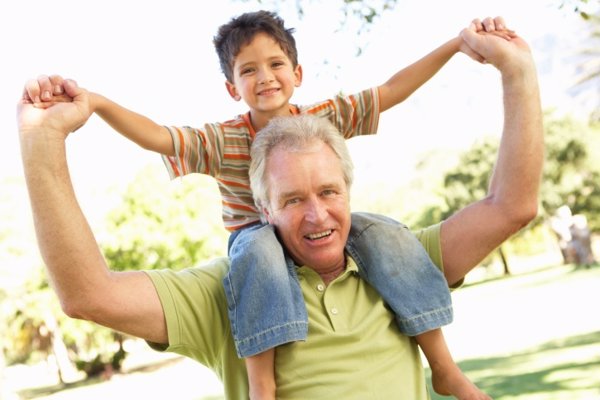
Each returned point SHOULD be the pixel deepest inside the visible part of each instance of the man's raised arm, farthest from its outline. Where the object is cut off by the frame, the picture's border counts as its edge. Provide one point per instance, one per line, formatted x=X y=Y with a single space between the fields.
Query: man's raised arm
x=512 y=200
x=87 y=289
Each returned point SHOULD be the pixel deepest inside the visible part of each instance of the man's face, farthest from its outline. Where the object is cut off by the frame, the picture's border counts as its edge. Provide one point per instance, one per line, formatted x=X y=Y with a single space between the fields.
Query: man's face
x=309 y=205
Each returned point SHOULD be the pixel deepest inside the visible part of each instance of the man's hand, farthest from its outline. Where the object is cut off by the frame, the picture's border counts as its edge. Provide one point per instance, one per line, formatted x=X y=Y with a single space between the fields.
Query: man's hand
x=497 y=45
x=52 y=106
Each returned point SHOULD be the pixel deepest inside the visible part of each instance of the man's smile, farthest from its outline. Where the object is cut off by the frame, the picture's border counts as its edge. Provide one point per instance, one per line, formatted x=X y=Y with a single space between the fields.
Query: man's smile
x=315 y=236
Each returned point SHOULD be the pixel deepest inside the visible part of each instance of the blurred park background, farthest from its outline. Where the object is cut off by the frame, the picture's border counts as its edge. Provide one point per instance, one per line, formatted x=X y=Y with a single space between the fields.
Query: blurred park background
x=526 y=321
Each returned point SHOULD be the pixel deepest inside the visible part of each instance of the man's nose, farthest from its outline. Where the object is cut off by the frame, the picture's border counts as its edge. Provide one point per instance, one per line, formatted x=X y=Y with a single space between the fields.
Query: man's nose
x=316 y=211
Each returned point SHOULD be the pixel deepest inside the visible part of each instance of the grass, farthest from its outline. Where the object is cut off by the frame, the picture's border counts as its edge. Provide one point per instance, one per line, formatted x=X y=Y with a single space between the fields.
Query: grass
x=538 y=339
x=560 y=369
x=528 y=337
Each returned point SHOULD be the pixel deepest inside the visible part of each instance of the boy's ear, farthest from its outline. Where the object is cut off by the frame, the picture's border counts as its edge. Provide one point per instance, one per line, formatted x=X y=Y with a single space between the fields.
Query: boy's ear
x=298 y=74
x=232 y=91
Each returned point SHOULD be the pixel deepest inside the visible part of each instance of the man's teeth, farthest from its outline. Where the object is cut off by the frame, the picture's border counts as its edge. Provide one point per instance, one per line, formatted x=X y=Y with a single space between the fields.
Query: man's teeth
x=314 y=236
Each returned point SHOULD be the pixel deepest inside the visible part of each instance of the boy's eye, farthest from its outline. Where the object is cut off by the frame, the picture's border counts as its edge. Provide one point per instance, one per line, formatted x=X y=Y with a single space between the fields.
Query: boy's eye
x=246 y=71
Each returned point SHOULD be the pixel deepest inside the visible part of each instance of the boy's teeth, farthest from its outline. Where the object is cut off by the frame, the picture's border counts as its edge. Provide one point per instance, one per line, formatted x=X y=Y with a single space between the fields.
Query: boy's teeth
x=314 y=236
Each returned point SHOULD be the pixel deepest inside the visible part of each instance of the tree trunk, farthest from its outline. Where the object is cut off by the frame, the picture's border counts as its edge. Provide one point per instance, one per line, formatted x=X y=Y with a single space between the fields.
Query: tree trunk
x=504 y=261
x=67 y=373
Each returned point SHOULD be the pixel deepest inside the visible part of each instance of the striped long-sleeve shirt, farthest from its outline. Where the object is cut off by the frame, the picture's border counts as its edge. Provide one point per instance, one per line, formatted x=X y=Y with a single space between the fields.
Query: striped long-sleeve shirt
x=222 y=150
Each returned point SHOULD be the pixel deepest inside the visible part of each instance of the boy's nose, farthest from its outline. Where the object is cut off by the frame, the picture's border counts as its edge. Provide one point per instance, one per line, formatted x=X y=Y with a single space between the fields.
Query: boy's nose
x=265 y=77
x=265 y=81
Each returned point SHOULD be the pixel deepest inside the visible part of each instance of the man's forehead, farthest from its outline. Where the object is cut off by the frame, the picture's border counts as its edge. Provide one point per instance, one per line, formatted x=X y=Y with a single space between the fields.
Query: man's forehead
x=291 y=170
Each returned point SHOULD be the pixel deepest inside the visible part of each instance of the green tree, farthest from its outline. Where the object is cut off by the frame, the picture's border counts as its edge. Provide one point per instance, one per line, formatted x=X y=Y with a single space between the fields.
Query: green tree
x=157 y=224
x=165 y=225
x=469 y=181
x=363 y=13
x=571 y=174
x=572 y=170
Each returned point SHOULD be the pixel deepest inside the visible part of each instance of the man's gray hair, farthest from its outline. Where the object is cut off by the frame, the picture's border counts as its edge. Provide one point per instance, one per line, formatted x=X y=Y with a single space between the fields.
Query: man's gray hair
x=293 y=133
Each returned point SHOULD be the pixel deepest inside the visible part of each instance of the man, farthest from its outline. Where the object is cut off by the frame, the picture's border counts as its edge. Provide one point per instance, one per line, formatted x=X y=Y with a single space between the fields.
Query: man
x=354 y=348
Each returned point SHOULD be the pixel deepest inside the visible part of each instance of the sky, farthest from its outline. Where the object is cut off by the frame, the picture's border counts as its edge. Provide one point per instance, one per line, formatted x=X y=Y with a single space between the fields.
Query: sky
x=156 y=57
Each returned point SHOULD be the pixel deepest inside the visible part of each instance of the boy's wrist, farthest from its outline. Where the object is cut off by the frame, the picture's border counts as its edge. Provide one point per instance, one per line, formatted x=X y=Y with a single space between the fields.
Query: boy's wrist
x=95 y=101
x=455 y=44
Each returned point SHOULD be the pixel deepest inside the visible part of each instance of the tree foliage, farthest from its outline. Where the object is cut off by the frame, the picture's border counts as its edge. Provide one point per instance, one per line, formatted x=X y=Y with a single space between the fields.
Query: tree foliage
x=174 y=225
x=157 y=224
x=572 y=171
x=364 y=13
x=584 y=8
x=571 y=174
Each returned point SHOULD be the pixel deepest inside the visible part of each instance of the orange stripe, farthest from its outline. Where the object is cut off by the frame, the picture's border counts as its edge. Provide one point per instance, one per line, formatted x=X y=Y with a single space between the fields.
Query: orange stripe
x=204 y=140
x=354 y=116
x=181 y=152
x=234 y=156
x=318 y=108
x=239 y=206
x=232 y=183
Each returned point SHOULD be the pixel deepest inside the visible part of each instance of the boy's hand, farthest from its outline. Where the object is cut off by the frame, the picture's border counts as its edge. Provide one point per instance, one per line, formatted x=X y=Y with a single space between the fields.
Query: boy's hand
x=45 y=91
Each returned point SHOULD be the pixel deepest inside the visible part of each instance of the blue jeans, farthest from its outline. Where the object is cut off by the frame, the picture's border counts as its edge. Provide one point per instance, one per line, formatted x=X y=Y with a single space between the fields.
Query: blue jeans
x=265 y=303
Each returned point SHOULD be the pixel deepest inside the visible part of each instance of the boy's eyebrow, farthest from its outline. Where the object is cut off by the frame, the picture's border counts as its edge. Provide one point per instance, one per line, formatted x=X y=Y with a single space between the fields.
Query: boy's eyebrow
x=272 y=58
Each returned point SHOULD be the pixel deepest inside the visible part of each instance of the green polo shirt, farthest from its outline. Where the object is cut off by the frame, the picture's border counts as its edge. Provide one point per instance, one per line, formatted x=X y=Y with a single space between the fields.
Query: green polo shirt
x=353 y=351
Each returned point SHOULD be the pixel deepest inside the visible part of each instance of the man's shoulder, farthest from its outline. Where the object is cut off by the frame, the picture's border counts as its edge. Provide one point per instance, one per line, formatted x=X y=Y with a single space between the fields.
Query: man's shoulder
x=209 y=273
x=216 y=267
x=430 y=238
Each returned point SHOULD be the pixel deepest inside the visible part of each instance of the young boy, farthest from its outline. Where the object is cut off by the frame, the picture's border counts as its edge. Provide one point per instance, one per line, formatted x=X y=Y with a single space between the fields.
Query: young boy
x=259 y=59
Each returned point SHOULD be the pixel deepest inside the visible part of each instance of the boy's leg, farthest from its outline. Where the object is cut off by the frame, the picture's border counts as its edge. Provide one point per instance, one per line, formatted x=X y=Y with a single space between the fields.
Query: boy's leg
x=395 y=263
x=446 y=377
x=265 y=304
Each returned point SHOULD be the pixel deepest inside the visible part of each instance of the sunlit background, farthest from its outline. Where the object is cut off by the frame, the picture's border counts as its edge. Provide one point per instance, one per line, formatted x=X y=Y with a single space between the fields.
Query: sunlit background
x=156 y=57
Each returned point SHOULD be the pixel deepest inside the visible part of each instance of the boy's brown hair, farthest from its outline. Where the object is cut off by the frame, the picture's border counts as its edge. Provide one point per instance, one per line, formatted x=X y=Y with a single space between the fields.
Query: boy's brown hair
x=240 y=31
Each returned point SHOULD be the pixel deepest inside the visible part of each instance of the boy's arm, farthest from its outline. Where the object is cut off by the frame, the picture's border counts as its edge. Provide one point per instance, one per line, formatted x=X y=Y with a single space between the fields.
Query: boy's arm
x=404 y=82
x=136 y=127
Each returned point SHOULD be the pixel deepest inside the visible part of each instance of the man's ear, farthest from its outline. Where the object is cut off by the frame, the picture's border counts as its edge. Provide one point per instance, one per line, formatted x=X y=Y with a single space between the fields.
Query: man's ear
x=267 y=214
x=232 y=91
x=298 y=74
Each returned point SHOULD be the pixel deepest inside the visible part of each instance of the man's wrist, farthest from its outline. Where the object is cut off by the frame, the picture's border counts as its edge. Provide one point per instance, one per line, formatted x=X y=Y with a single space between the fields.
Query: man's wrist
x=519 y=73
x=41 y=144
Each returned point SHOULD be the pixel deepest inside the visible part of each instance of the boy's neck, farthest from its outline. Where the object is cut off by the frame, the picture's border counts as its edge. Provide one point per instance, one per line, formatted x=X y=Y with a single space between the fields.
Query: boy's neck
x=259 y=120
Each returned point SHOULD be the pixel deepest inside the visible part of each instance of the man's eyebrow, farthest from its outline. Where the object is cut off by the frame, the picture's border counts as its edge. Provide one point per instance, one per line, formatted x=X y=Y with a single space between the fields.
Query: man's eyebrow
x=298 y=192
x=329 y=186
x=289 y=194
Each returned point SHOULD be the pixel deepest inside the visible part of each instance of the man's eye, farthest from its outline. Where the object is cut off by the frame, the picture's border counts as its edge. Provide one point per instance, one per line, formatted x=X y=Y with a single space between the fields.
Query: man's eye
x=292 y=201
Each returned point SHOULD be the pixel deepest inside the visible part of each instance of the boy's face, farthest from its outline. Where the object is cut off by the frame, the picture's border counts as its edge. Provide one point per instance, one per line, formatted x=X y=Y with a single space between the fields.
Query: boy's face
x=264 y=77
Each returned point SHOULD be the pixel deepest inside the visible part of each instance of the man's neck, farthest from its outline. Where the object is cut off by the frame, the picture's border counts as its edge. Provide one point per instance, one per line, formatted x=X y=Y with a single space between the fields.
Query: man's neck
x=329 y=276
